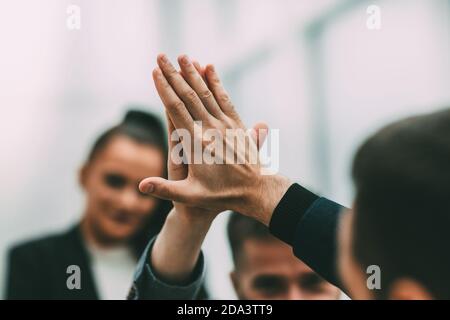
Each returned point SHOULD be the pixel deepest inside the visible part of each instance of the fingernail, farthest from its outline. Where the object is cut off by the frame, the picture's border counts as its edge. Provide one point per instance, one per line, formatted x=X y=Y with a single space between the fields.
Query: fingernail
x=185 y=60
x=164 y=58
x=148 y=188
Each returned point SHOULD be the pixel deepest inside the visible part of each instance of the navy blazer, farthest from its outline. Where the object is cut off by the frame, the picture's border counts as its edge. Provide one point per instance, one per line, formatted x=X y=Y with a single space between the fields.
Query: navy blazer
x=309 y=224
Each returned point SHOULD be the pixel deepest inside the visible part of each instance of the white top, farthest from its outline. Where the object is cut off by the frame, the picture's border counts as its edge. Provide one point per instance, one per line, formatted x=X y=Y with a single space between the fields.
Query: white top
x=113 y=271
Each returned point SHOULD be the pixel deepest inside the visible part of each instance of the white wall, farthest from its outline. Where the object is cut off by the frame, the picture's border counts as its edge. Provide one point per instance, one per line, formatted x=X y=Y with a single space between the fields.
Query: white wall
x=60 y=88
x=372 y=78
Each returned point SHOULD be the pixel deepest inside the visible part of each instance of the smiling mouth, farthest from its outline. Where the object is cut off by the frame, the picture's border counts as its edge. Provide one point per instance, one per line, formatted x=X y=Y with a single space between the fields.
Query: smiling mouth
x=122 y=218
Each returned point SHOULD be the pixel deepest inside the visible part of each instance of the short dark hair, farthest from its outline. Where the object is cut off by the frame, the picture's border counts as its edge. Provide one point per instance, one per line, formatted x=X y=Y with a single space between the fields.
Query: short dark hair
x=402 y=207
x=241 y=228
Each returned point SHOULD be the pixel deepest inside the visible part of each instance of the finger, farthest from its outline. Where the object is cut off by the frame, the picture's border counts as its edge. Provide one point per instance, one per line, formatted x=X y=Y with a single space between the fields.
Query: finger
x=166 y=189
x=200 y=70
x=195 y=80
x=220 y=94
x=176 y=109
x=183 y=90
x=171 y=130
x=259 y=133
x=176 y=170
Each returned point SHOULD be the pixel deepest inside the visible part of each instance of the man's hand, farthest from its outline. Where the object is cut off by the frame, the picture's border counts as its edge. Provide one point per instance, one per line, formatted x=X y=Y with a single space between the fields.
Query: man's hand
x=178 y=172
x=234 y=185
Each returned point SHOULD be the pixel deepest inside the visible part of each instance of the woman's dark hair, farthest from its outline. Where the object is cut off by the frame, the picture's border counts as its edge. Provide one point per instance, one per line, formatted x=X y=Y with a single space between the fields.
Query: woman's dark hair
x=144 y=128
x=402 y=207
x=138 y=125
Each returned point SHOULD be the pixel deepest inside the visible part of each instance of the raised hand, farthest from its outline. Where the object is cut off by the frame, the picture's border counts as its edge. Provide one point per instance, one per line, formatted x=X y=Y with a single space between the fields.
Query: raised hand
x=235 y=184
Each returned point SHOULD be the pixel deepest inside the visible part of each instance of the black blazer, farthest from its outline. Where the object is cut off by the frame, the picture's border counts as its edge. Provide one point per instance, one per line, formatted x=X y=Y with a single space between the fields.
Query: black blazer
x=309 y=224
x=38 y=269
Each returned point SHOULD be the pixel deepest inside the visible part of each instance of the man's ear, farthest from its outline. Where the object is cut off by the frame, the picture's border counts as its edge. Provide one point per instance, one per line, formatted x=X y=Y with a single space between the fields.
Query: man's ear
x=82 y=175
x=235 y=282
x=408 y=289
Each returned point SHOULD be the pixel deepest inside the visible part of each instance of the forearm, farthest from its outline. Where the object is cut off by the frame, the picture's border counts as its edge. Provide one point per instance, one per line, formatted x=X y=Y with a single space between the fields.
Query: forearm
x=177 y=247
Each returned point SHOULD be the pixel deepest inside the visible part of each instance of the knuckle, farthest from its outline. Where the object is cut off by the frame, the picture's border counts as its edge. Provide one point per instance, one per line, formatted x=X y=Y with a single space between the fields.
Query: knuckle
x=231 y=107
x=224 y=98
x=191 y=71
x=206 y=94
x=216 y=81
x=172 y=74
x=176 y=105
x=162 y=190
x=191 y=96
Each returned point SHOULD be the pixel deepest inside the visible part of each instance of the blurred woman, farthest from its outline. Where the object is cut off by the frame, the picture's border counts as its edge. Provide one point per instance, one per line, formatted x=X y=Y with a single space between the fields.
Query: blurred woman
x=117 y=223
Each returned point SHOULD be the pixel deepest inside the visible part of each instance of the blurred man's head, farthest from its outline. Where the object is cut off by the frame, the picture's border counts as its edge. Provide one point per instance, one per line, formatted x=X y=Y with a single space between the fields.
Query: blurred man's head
x=120 y=158
x=401 y=218
x=265 y=267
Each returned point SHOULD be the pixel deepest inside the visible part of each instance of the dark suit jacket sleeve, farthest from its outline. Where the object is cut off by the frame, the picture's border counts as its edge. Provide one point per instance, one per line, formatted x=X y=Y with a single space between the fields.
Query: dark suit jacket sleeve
x=309 y=224
x=147 y=285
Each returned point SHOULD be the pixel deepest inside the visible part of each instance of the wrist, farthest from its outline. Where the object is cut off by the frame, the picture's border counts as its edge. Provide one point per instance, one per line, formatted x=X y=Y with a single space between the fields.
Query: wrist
x=177 y=247
x=191 y=217
x=262 y=199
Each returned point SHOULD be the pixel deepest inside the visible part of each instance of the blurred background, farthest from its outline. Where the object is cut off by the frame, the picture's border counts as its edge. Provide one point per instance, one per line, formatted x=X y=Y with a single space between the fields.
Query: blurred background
x=312 y=69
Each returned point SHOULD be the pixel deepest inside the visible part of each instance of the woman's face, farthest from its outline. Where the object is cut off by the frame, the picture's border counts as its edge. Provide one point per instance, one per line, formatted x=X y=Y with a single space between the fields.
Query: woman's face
x=115 y=207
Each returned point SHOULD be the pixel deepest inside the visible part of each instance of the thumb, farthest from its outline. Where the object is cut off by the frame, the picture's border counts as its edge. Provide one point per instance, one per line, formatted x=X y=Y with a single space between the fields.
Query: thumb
x=165 y=189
